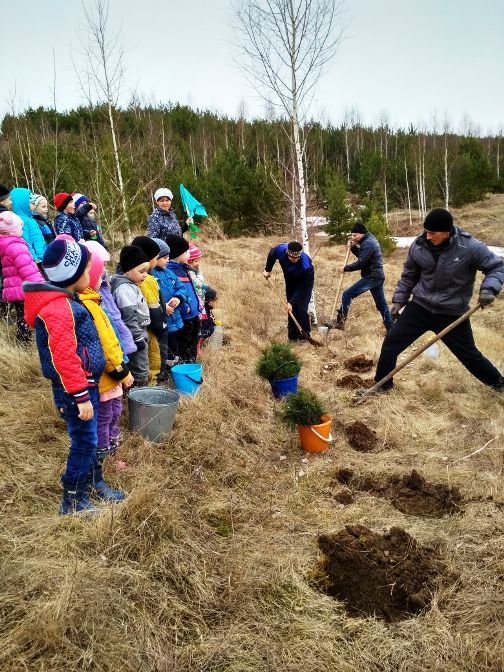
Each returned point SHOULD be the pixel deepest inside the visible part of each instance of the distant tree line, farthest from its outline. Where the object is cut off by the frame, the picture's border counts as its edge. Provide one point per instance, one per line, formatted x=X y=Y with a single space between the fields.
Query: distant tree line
x=241 y=170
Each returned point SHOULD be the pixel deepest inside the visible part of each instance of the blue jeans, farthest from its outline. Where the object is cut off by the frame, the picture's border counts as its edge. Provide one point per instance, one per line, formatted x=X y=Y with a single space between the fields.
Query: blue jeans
x=376 y=289
x=83 y=439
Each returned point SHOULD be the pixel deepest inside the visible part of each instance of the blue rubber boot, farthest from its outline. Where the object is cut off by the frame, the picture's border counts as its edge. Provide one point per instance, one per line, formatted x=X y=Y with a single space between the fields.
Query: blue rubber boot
x=101 y=490
x=76 y=500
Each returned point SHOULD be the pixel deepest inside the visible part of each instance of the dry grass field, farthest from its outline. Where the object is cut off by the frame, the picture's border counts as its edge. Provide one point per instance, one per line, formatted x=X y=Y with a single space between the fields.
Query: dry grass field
x=483 y=219
x=210 y=565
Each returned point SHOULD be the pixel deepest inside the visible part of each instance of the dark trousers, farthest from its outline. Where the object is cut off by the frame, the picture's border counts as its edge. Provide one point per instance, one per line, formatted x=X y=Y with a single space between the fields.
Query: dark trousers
x=299 y=302
x=376 y=289
x=81 y=458
x=187 y=339
x=23 y=330
x=415 y=321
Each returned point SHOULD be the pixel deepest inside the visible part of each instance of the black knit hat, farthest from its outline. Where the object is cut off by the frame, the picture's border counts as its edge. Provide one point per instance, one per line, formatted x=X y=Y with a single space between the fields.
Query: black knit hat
x=438 y=219
x=294 y=248
x=177 y=245
x=358 y=227
x=210 y=294
x=132 y=256
x=148 y=245
x=4 y=192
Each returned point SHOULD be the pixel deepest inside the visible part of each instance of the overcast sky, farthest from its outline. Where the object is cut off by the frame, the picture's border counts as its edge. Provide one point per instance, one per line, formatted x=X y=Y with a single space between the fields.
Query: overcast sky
x=410 y=58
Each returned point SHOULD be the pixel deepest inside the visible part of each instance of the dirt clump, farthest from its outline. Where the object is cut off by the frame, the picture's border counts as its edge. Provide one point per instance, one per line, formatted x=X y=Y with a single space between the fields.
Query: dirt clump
x=353 y=382
x=359 y=364
x=360 y=437
x=390 y=576
x=409 y=493
x=344 y=496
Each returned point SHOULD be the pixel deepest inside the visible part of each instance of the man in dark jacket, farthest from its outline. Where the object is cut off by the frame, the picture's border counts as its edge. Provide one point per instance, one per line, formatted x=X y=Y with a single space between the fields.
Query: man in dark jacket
x=369 y=262
x=439 y=274
x=299 y=277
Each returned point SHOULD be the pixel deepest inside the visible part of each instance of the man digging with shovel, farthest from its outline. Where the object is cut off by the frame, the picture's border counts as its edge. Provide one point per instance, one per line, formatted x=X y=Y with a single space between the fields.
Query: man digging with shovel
x=369 y=262
x=299 y=276
x=439 y=273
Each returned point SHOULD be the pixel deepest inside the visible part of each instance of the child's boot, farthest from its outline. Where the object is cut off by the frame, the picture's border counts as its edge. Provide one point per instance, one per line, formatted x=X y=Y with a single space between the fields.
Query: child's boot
x=76 y=500
x=102 y=490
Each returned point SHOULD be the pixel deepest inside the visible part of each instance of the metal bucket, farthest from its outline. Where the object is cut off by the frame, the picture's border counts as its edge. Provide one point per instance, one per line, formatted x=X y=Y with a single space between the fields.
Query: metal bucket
x=152 y=411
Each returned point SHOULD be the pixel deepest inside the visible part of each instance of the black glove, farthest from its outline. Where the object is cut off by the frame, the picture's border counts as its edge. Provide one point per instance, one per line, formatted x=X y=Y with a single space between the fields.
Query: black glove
x=396 y=307
x=486 y=298
x=157 y=321
x=141 y=345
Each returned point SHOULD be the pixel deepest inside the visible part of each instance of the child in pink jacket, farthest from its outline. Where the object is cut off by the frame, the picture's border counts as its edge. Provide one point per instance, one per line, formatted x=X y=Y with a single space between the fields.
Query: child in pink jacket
x=18 y=266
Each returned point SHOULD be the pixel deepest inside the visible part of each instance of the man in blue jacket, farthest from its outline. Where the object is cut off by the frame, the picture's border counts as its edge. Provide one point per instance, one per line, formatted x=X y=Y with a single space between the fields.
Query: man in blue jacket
x=369 y=262
x=299 y=276
x=439 y=275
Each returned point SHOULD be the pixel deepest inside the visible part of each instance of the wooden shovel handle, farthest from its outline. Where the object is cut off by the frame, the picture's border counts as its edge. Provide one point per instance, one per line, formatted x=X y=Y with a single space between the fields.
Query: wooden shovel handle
x=272 y=285
x=340 y=287
x=413 y=356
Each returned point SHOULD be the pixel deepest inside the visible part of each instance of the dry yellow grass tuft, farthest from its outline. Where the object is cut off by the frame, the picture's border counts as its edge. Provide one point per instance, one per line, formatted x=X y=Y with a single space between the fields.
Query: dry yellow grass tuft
x=207 y=564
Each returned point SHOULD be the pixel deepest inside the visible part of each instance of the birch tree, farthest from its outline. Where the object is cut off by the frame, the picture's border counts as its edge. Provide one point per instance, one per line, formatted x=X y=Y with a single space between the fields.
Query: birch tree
x=286 y=45
x=105 y=71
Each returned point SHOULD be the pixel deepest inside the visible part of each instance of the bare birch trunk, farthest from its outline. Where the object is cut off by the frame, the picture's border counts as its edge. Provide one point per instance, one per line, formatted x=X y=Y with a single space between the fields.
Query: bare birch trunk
x=408 y=191
x=446 y=177
x=117 y=162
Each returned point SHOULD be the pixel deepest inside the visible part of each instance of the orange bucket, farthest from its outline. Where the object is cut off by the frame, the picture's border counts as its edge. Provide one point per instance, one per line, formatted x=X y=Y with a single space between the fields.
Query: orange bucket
x=316 y=438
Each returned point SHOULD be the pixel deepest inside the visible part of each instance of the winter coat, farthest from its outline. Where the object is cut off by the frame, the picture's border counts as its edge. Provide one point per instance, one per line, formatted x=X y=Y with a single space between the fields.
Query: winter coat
x=369 y=259
x=445 y=285
x=191 y=307
x=88 y=224
x=200 y=287
x=115 y=365
x=113 y=312
x=150 y=290
x=70 y=351
x=161 y=223
x=208 y=323
x=46 y=228
x=299 y=276
x=170 y=287
x=31 y=230
x=132 y=305
x=71 y=224
x=17 y=267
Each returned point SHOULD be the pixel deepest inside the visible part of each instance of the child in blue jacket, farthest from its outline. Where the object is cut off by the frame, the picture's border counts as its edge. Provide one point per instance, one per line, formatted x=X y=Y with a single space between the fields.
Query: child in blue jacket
x=174 y=297
x=187 y=337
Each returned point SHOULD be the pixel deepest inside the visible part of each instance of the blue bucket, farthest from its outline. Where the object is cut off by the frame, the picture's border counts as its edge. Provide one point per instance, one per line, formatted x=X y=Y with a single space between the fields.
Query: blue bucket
x=281 y=388
x=187 y=377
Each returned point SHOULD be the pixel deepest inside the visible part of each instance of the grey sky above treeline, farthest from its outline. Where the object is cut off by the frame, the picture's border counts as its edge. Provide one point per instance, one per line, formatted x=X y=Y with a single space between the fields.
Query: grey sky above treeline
x=414 y=60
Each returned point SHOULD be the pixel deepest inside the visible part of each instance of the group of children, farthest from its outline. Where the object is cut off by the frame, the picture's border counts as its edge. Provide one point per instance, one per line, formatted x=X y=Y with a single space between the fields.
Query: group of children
x=97 y=335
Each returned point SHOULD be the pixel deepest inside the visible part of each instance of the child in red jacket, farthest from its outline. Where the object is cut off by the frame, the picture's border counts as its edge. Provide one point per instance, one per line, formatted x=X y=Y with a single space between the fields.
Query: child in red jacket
x=72 y=358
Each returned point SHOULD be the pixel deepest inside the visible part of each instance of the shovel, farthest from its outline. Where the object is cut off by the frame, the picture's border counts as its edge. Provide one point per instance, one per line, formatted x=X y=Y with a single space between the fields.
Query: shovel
x=361 y=395
x=305 y=334
x=337 y=297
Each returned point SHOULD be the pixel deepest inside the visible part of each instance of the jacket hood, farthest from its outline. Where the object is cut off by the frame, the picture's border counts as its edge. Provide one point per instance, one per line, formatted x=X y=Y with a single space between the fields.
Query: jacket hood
x=38 y=295
x=21 y=201
x=119 y=279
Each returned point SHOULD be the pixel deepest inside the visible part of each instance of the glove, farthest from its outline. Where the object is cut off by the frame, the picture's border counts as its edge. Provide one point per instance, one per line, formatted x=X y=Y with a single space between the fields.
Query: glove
x=486 y=298
x=141 y=345
x=396 y=307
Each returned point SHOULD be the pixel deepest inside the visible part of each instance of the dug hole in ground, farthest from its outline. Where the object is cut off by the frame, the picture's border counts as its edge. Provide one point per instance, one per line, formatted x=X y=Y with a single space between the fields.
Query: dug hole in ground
x=214 y=561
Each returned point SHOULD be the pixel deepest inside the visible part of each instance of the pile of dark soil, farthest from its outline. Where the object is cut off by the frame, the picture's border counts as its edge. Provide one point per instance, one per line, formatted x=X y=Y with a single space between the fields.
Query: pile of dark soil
x=360 y=437
x=353 y=382
x=390 y=575
x=344 y=496
x=410 y=493
x=359 y=364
